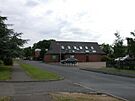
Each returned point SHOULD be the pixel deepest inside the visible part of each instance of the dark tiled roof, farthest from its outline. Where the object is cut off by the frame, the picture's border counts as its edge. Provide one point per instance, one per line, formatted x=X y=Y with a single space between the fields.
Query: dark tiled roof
x=74 y=47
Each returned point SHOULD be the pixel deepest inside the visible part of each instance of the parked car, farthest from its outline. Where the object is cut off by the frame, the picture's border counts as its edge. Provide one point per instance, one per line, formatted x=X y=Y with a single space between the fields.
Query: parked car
x=69 y=61
x=125 y=58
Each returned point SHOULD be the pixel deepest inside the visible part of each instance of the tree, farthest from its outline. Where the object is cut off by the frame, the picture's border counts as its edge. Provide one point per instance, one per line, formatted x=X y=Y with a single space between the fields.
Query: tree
x=27 y=52
x=131 y=44
x=10 y=41
x=43 y=45
x=119 y=48
x=107 y=49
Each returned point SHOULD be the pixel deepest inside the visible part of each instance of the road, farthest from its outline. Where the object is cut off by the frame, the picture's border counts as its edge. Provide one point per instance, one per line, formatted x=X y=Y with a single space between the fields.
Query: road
x=119 y=86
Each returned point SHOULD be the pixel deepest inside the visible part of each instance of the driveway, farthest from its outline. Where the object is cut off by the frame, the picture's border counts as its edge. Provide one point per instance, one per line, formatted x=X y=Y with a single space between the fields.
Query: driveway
x=116 y=85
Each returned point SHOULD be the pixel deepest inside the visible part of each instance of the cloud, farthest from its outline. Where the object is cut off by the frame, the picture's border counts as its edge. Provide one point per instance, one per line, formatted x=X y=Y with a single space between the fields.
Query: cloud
x=76 y=20
x=31 y=3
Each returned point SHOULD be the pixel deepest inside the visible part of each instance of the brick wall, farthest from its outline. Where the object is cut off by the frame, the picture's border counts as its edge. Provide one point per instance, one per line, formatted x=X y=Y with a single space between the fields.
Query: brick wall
x=95 y=58
x=80 y=57
x=51 y=58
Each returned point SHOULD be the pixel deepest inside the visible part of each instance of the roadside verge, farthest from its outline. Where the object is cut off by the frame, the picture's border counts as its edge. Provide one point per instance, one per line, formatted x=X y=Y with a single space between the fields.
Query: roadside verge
x=110 y=72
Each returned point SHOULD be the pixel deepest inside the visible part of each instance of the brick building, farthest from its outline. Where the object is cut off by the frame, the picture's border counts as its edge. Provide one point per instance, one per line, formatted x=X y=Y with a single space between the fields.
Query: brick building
x=83 y=51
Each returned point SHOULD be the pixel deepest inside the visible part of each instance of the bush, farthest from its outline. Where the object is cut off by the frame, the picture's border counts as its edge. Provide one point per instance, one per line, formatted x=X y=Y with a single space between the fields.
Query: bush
x=8 y=61
x=1 y=62
x=106 y=58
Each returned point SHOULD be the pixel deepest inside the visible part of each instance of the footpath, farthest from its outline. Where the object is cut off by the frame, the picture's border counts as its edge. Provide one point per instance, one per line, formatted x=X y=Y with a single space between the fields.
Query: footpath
x=19 y=75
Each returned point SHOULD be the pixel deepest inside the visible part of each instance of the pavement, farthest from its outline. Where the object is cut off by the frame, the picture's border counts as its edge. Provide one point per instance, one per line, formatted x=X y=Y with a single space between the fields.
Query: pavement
x=18 y=74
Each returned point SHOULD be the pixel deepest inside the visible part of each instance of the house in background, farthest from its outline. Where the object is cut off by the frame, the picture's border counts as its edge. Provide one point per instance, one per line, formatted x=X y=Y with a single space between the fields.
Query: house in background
x=83 y=51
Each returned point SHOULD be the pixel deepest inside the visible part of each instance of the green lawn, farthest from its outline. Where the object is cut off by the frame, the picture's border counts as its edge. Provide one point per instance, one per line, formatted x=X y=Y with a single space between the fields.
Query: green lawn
x=5 y=72
x=39 y=74
x=114 y=70
x=5 y=98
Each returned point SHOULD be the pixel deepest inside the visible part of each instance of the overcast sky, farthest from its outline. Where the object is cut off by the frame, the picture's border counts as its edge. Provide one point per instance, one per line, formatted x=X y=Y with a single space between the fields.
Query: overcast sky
x=76 y=20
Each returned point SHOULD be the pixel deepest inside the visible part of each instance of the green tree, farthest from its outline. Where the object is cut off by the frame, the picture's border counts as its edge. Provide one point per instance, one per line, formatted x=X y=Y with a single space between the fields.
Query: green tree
x=119 y=48
x=10 y=41
x=108 y=49
x=43 y=45
x=27 y=52
x=131 y=44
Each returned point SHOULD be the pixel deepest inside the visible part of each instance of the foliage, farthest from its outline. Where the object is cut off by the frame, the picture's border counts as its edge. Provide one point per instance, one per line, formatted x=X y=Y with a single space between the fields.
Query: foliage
x=5 y=98
x=119 y=48
x=5 y=72
x=43 y=45
x=131 y=45
x=106 y=58
x=27 y=52
x=1 y=62
x=10 y=41
x=108 y=49
x=8 y=61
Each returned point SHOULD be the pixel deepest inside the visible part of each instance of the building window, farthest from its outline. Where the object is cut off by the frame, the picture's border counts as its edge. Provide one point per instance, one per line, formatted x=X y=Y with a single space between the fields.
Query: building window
x=87 y=51
x=94 y=51
x=86 y=47
x=92 y=47
x=80 y=47
x=69 y=47
x=54 y=57
x=62 y=47
x=75 y=47
x=73 y=51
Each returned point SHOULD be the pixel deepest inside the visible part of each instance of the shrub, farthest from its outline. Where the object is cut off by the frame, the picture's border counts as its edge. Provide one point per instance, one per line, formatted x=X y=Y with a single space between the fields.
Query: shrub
x=8 y=61
x=1 y=62
x=106 y=58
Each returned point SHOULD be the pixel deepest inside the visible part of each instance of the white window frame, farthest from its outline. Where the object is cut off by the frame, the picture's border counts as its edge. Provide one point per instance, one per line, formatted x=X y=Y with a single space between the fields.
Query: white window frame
x=86 y=47
x=62 y=47
x=69 y=47
x=80 y=47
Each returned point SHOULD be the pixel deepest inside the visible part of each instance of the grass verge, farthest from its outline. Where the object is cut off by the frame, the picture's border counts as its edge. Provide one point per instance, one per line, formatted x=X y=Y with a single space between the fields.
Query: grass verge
x=112 y=71
x=39 y=74
x=5 y=72
x=64 y=96
x=115 y=70
x=5 y=98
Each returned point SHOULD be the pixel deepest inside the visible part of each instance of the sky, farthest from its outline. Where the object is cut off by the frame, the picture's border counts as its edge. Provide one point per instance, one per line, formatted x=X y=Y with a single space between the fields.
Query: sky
x=70 y=20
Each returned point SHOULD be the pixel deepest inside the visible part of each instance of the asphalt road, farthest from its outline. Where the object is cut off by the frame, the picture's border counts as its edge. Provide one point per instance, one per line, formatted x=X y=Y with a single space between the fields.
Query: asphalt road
x=119 y=86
